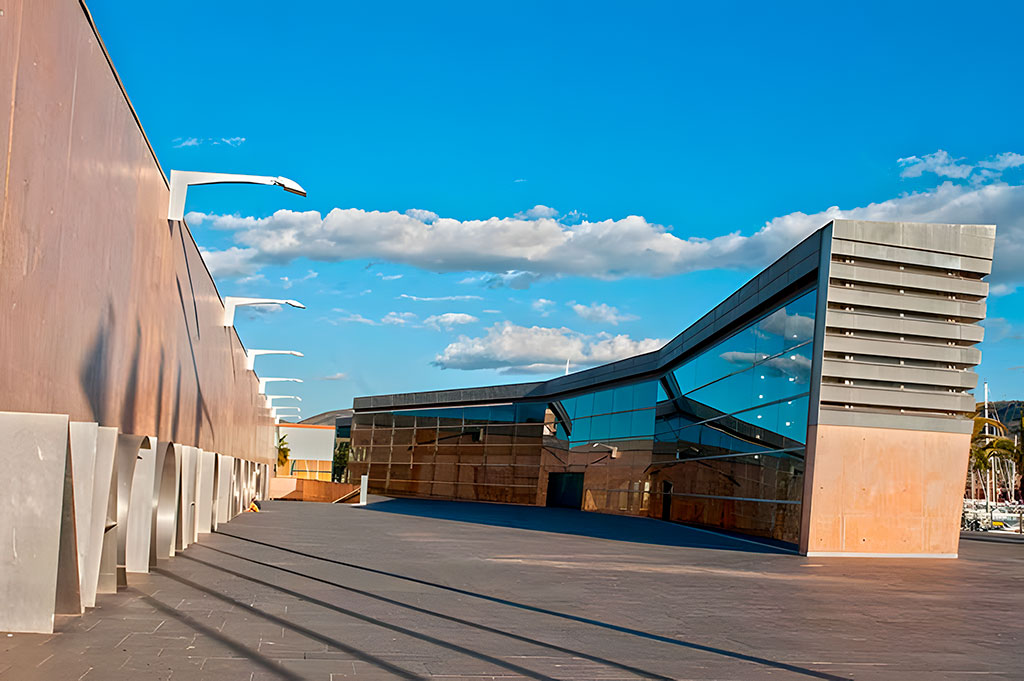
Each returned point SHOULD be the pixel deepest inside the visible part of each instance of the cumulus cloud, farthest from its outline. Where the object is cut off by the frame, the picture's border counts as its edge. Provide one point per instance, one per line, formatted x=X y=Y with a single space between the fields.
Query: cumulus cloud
x=543 y=306
x=425 y=216
x=939 y=162
x=448 y=320
x=610 y=249
x=513 y=349
x=537 y=212
x=1003 y=161
x=601 y=312
x=231 y=262
x=398 y=318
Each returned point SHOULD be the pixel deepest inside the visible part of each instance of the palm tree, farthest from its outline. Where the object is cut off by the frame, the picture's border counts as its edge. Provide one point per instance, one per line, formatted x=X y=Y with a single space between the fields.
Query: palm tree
x=988 y=449
x=283 y=451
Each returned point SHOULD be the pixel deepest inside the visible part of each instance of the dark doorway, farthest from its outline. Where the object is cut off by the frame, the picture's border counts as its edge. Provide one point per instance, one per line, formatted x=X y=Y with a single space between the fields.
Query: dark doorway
x=565 y=490
x=666 y=500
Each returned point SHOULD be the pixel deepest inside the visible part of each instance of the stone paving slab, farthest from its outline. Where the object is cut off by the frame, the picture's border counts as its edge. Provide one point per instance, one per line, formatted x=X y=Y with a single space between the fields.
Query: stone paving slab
x=418 y=589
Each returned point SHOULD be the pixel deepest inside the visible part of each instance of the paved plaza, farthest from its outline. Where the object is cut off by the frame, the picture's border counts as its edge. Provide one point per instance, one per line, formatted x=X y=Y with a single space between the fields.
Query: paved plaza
x=414 y=589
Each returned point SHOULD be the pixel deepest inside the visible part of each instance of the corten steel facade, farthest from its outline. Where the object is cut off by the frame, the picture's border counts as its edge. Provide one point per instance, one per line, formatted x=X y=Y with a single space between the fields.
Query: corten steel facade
x=826 y=403
x=127 y=415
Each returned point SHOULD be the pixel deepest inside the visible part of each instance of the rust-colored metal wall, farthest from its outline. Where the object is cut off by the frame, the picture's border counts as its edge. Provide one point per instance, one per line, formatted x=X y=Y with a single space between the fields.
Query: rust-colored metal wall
x=108 y=311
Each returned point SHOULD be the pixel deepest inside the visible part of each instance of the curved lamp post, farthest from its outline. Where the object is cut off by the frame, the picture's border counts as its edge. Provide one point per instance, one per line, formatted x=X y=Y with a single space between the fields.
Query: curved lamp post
x=182 y=179
x=274 y=410
x=231 y=302
x=271 y=398
x=250 y=355
x=612 y=449
x=264 y=381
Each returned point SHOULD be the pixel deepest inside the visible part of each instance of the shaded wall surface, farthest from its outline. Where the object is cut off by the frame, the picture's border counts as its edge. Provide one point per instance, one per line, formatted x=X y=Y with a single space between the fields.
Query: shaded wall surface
x=110 y=314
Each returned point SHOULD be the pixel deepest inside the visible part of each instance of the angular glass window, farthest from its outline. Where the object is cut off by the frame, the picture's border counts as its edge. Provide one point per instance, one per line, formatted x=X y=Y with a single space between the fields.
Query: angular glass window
x=645 y=395
x=728 y=395
x=603 y=402
x=735 y=353
x=622 y=398
x=642 y=423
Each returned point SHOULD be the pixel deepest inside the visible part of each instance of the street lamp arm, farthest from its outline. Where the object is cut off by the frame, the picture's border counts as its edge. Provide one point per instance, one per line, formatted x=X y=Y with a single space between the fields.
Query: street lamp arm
x=231 y=302
x=181 y=179
x=250 y=356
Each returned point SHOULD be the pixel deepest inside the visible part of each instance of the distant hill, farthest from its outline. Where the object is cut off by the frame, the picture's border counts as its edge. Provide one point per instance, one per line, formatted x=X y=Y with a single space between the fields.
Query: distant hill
x=327 y=418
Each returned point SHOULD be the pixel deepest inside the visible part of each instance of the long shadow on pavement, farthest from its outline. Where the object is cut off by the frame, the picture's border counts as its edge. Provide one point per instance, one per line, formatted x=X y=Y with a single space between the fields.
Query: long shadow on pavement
x=414 y=608
x=554 y=613
x=569 y=521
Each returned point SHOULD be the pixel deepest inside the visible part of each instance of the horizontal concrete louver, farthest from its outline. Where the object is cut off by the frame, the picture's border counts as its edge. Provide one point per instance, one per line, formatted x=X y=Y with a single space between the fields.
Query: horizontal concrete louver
x=904 y=302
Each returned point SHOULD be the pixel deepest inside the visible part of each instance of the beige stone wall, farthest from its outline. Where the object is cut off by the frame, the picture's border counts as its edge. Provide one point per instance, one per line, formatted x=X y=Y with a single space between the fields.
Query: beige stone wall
x=883 y=491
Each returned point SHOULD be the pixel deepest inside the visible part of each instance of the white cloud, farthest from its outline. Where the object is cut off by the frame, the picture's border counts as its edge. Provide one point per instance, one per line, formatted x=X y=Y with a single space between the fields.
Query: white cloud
x=795 y=366
x=425 y=216
x=939 y=162
x=1003 y=161
x=601 y=312
x=231 y=262
x=389 y=277
x=448 y=320
x=492 y=311
x=439 y=298
x=180 y=142
x=288 y=282
x=780 y=323
x=543 y=306
x=519 y=349
x=398 y=318
x=538 y=212
x=515 y=279
x=340 y=376
x=605 y=249
x=351 y=318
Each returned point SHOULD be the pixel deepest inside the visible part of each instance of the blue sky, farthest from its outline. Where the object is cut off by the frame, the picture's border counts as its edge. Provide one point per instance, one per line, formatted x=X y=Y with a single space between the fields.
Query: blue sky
x=614 y=145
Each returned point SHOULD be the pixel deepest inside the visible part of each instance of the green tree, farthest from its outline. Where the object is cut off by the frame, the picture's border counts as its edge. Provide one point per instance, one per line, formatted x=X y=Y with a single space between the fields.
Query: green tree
x=341 y=450
x=283 y=451
x=989 y=441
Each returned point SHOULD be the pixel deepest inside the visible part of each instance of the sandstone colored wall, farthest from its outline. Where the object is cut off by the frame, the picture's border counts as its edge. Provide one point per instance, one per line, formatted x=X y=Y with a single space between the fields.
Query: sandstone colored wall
x=109 y=313
x=883 y=491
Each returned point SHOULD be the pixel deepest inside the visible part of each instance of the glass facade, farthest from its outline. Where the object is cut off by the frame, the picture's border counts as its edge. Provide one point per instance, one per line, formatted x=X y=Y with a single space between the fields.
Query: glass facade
x=717 y=439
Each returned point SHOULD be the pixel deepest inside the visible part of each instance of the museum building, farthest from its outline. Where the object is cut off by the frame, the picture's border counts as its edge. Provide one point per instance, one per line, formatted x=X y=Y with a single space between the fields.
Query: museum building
x=825 y=404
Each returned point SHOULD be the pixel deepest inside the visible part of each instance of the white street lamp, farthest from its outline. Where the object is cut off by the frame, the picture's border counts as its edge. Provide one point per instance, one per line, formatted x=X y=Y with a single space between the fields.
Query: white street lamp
x=274 y=410
x=250 y=355
x=271 y=398
x=264 y=381
x=611 y=448
x=182 y=179
x=231 y=302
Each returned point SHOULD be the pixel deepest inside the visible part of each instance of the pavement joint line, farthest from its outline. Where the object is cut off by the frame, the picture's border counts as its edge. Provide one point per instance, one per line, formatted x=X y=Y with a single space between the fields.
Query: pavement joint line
x=451 y=618
x=554 y=613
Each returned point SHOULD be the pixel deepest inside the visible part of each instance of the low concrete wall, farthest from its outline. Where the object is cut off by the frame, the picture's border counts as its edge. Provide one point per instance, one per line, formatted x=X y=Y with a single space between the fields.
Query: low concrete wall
x=295 y=489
